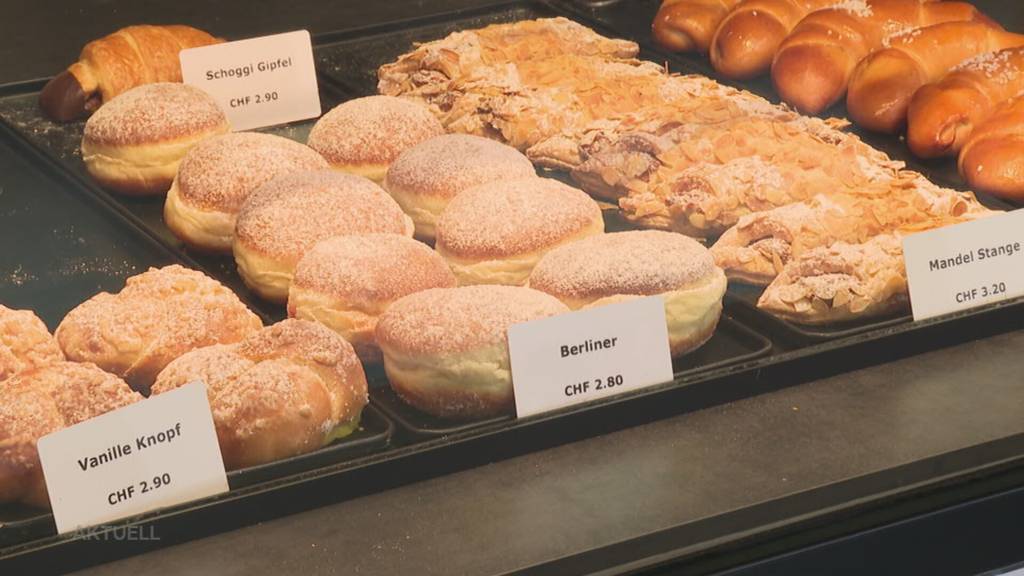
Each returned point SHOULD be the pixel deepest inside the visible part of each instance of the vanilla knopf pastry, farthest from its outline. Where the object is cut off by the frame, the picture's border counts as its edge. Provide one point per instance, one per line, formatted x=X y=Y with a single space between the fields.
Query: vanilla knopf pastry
x=41 y=401
x=757 y=248
x=285 y=390
x=129 y=57
x=133 y=145
x=25 y=343
x=610 y=268
x=158 y=316
x=705 y=184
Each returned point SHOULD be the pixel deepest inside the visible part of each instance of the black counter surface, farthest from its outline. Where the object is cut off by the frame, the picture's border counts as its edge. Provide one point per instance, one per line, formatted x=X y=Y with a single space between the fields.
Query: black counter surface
x=705 y=480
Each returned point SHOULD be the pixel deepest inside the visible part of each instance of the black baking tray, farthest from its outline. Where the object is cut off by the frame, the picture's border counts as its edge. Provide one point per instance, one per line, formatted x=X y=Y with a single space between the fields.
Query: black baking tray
x=732 y=343
x=20 y=523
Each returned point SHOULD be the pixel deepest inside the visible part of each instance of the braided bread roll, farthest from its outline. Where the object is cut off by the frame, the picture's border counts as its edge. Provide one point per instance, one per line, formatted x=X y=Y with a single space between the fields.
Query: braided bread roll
x=113 y=64
x=942 y=115
x=992 y=160
x=42 y=401
x=688 y=25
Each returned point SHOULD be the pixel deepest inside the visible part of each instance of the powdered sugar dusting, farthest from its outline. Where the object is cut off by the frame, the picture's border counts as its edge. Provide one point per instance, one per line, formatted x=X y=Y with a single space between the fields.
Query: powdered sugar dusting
x=374 y=129
x=451 y=320
x=219 y=173
x=154 y=112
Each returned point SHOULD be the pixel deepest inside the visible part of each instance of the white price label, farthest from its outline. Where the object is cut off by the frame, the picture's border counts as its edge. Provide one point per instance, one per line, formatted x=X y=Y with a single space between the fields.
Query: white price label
x=577 y=357
x=966 y=265
x=258 y=82
x=155 y=453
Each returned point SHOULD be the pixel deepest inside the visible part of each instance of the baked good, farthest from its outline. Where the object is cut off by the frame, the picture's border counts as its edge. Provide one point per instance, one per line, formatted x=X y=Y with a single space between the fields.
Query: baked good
x=25 y=343
x=942 y=115
x=347 y=282
x=882 y=85
x=158 y=316
x=134 y=143
x=424 y=178
x=614 y=267
x=495 y=233
x=992 y=160
x=41 y=401
x=288 y=215
x=285 y=390
x=748 y=37
x=813 y=64
x=363 y=136
x=113 y=64
x=446 y=349
x=689 y=25
x=757 y=248
x=704 y=184
x=217 y=175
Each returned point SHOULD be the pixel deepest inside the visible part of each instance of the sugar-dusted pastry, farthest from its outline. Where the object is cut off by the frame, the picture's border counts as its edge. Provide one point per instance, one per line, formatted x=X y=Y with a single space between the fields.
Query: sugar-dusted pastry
x=25 y=343
x=363 y=136
x=347 y=282
x=288 y=215
x=427 y=176
x=158 y=316
x=757 y=248
x=129 y=57
x=134 y=143
x=446 y=349
x=218 y=174
x=285 y=390
x=496 y=233
x=43 y=400
x=610 y=268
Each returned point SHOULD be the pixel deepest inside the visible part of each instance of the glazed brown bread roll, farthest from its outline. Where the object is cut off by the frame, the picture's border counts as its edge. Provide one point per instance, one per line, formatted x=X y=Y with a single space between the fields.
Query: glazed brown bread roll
x=287 y=216
x=496 y=233
x=689 y=25
x=347 y=282
x=113 y=64
x=615 y=267
x=218 y=174
x=134 y=143
x=424 y=178
x=158 y=316
x=363 y=136
x=25 y=343
x=286 y=390
x=992 y=160
x=446 y=349
x=41 y=401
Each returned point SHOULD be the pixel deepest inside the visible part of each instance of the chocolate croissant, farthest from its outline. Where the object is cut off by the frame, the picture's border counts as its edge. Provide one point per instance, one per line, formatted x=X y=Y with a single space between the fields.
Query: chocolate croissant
x=113 y=64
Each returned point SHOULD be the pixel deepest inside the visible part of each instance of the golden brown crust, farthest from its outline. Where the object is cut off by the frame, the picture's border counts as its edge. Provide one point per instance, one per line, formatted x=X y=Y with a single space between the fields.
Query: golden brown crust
x=158 y=316
x=278 y=393
x=25 y=343
x=41 y=401
x=507 y=218
x=992 y=160
x=689 y=25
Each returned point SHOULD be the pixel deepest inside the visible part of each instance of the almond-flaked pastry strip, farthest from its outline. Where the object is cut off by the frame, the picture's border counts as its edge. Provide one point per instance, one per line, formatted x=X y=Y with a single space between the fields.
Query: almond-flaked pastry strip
x=704 y=184
x=847 y=281
x=757 y=248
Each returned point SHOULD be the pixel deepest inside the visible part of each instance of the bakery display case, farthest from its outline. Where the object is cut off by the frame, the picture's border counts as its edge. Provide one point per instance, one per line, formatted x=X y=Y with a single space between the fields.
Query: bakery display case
x=807 y=407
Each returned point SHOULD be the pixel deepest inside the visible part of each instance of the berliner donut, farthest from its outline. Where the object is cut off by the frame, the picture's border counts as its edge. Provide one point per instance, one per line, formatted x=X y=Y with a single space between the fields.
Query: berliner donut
x=446 y=349
x=495 y=233
x=284 y=218
x=158 y=316
x=614 y=267
x=347 y=282
x=282 y=391
x=133 y=144
x=217 y=175
x=41 y=401
x=25 y=343
x=424 y=178
x=363 y=136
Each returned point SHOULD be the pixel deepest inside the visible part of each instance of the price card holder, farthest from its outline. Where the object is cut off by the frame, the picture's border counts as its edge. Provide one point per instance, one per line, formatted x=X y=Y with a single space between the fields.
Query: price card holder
x=258 y=82
x=155 y=453
x=590 y=354
x=966 y=265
